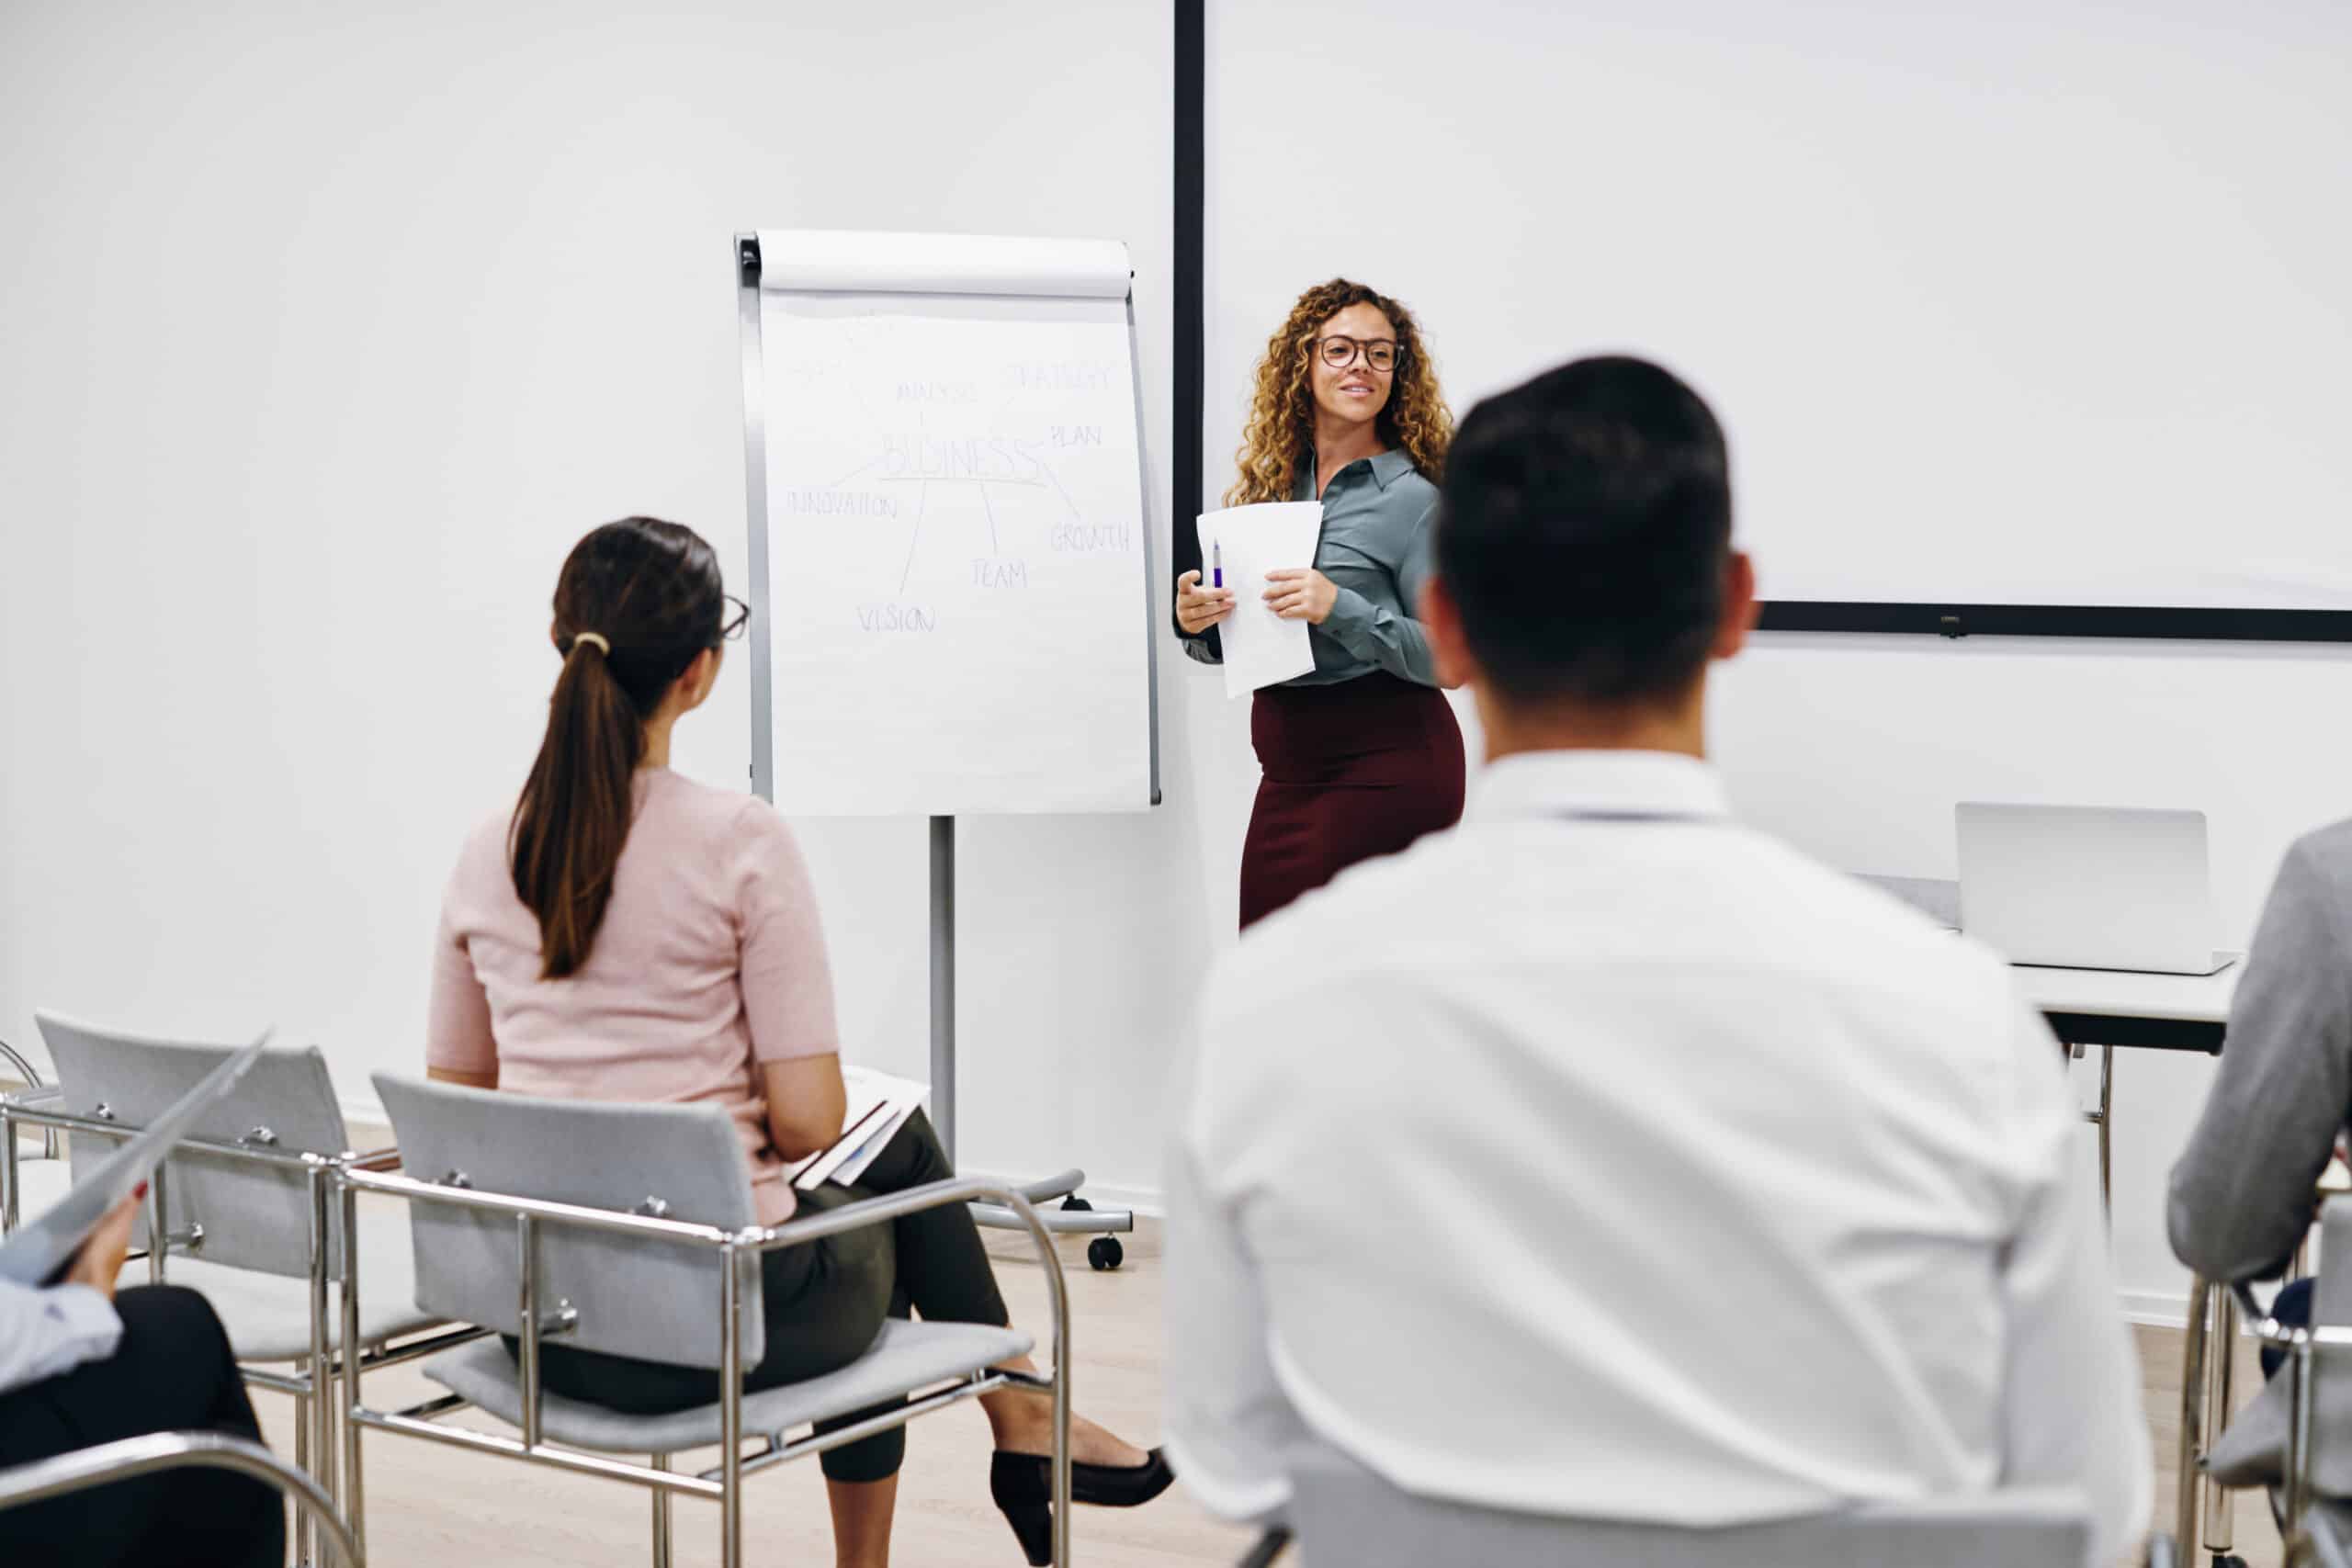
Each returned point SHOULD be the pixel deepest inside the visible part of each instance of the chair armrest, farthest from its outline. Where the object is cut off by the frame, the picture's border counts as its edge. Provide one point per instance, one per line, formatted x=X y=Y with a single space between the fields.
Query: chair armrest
x=874 y=1210
x=25 y=1069
x=80 y=1469
x=34 y=1094
x=936 y=1195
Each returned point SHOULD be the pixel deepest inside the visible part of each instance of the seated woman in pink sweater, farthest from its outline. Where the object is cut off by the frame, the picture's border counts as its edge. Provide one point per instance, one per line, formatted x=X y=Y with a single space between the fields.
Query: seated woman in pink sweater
x=624 y=933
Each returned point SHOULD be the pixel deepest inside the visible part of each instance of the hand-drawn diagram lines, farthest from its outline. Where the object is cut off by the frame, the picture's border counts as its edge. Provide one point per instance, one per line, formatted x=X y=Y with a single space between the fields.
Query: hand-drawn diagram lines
x=953 y=454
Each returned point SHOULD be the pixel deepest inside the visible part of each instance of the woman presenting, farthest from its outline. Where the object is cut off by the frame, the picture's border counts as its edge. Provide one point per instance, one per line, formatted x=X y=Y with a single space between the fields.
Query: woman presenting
x=1361 y=755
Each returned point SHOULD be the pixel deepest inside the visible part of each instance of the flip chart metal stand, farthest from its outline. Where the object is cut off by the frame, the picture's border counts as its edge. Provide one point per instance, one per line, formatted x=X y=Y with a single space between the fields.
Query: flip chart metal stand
x=1076 y=1215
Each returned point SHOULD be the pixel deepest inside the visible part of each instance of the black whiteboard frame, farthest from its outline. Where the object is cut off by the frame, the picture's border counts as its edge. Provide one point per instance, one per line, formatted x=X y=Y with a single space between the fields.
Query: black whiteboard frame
x=1835 y=616
x=2148 y=622
x=1188 y=232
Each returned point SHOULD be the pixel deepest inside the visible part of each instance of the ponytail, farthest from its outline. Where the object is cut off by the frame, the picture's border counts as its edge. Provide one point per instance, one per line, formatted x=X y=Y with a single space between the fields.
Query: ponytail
x=573 y=817
x=653 y=587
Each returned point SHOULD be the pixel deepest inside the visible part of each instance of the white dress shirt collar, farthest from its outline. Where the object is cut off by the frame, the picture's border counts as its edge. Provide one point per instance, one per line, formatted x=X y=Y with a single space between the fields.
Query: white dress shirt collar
x=1598 y=784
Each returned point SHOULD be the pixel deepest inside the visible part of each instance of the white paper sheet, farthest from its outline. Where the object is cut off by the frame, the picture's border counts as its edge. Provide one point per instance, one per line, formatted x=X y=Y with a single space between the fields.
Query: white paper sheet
x=1260 y=648
x=878 y=1105
x=957 y=617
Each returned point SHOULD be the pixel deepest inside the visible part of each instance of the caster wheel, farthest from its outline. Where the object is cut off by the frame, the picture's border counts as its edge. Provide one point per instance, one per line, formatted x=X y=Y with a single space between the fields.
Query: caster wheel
x=1074 y=1204
x=1104 y=1253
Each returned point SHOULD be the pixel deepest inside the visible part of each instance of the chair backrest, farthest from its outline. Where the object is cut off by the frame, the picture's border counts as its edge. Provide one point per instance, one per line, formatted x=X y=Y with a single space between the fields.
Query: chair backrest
x=1345 y=1516
x=2331 y=1368
x=254 y=1215
x=640 y=1296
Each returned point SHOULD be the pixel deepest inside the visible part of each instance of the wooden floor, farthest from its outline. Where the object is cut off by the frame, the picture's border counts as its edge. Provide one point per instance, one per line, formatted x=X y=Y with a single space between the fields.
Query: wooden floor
x=431 y=1506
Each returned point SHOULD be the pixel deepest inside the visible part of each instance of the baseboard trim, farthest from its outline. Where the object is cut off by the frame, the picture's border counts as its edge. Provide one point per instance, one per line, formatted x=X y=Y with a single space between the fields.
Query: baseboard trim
x=2156 y=1309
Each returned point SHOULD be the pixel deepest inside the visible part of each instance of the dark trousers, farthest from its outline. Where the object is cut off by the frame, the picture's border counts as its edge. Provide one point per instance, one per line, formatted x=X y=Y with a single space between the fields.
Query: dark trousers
x=1351 y=772
x=825 y=1302
x=2291 y=1308
x=173 y=1371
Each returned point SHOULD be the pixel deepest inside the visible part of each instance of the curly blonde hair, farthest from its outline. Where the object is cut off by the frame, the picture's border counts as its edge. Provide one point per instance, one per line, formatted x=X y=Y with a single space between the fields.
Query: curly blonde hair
x=1281 y=409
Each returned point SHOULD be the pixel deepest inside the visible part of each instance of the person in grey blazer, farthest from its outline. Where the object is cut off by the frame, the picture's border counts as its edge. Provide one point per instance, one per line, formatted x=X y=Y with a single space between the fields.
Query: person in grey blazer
x=2242 y=1195
x=2242 y=1192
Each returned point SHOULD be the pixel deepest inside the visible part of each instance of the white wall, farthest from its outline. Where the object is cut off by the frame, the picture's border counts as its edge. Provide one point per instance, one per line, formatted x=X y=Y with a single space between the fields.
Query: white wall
x=2021 y=301
x=329 y=330
x=324 y=338
x=1836 y=218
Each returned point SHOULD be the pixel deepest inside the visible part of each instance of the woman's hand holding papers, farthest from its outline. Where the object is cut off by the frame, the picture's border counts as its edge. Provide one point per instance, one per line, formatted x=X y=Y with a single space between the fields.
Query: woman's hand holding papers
x=1301 y=594
x=101 y=1257
x=1199 y=608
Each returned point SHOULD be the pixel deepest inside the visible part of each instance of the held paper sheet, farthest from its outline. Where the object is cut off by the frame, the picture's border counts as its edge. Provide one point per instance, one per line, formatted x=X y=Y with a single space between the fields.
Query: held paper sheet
x=878 y=1105
x=1260 y=648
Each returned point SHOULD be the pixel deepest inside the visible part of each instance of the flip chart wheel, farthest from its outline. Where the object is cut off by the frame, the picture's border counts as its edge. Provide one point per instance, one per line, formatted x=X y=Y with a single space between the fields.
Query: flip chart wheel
x=1103 y=1253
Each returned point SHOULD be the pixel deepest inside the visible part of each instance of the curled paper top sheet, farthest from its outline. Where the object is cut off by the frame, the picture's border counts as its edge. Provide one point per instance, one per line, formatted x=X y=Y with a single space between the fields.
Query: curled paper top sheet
x=837 y=260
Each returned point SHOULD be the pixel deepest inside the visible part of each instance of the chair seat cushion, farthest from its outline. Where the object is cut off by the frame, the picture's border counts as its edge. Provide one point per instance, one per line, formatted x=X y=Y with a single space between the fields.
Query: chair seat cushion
x=268 y=1315
x=906 y=1357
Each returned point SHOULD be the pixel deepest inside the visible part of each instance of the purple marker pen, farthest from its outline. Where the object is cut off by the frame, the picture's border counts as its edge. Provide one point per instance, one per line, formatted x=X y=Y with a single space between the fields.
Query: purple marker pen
x=1217 y=567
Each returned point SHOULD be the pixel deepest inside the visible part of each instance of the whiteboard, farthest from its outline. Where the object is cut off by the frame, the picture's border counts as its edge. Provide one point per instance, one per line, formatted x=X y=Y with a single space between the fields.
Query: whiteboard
x=948 y=525
x=2028 y=302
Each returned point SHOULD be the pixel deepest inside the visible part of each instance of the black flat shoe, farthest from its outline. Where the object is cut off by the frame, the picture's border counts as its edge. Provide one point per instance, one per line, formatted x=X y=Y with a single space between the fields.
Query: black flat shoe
x=1023 y=1487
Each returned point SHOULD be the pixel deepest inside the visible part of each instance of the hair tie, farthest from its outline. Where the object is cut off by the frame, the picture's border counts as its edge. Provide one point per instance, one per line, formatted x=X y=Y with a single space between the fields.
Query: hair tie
x=602 y=645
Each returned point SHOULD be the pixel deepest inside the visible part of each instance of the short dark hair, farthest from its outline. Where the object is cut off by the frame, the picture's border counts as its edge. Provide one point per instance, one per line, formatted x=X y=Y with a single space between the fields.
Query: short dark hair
x=1585 y=533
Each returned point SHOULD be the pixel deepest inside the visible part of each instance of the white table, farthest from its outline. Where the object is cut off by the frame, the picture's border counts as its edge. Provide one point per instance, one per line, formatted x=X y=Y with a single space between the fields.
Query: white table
x=2108 y=1007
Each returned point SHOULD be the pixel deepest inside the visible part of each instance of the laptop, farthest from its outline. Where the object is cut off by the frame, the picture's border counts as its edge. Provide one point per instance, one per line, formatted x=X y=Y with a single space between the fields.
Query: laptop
x=2089 y=886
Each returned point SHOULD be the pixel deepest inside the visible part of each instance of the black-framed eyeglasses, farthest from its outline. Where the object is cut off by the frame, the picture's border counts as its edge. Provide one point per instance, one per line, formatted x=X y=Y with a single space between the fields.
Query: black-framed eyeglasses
x=739 y=618
x=1340 y=351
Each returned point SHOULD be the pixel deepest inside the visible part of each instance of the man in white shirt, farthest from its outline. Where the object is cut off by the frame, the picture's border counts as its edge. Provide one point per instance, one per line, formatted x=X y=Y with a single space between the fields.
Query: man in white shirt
x=1603 y=1158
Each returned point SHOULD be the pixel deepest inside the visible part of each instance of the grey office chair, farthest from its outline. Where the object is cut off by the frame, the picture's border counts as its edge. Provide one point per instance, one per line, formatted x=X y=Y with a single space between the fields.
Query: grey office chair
x=251 y=1222
x=81 y=1469
x=1343 y=1515
x=2295 y=1437
x=629 y=1229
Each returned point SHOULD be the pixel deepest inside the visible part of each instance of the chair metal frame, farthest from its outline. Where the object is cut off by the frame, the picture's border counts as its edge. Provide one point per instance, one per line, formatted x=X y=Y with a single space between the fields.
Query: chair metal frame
x=733 y=1249
x=77 y=1470
x=2218 y=1313
x=315 y=1377
x=2206 y=1391
x=2301 y=1345
x=32 y=1082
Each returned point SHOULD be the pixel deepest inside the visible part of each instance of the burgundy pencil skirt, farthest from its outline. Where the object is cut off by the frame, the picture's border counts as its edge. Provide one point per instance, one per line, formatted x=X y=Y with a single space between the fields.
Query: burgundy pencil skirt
x=1352 y=770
